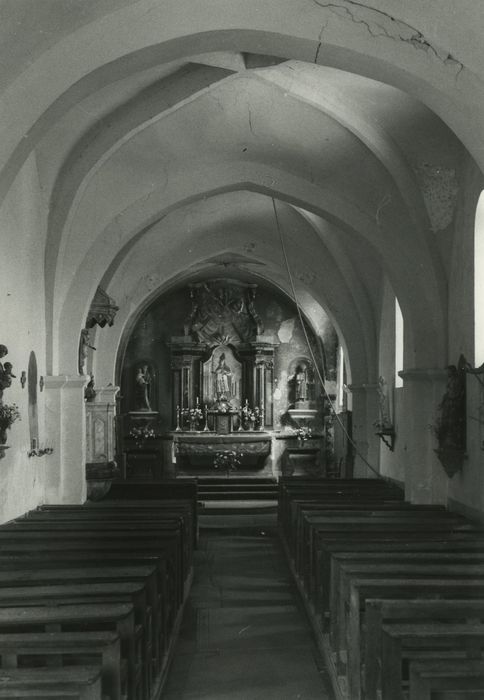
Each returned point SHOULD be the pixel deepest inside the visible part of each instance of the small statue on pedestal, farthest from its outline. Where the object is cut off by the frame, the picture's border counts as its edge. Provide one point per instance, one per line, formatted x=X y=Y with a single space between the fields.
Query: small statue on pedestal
x=301 y=384
x=142 y=389
x=223 y=379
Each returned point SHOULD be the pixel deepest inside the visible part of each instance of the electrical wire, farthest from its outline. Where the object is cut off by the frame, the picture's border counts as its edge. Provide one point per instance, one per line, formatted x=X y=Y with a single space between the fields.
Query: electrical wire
x=316 y=364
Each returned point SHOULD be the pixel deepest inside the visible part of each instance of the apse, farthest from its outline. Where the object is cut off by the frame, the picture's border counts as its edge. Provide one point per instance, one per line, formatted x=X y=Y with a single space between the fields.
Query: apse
x=224 y=362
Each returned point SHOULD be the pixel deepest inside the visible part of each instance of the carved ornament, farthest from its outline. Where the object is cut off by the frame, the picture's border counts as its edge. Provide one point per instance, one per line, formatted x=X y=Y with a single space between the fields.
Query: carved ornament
x=223 y=312
x=103 y=310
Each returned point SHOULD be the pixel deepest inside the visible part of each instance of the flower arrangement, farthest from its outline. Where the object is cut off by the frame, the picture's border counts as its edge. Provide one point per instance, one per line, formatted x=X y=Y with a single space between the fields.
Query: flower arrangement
x=142 y=434
x=250 y=416
x=303 y=433
x=192 y=414
x=227 y=460
x=9 y=413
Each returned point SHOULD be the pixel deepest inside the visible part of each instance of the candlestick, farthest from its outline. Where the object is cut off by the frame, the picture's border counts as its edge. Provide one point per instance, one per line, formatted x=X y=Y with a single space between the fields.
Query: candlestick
x=206 y=428
x=178 y=429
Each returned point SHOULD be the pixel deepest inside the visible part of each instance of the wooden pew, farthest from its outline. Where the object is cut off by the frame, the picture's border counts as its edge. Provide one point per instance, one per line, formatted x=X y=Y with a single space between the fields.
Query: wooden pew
x=396 y=637
x=122 y=510
x=380 y=611
x=144 y=491
x=70 y=544
x=56 y=646
x=318 y=528
x=376 y=550
x=342 y=641
x=62 y=608
x=378 y=532
x=462 y=677
x=85 y=680
x=394 y=588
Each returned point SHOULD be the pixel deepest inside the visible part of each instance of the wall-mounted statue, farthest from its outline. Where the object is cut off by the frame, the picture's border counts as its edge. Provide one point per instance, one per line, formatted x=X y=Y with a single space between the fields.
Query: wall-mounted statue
x=301 y=383
x=385 y=421
x=90 y=391
x=142 y=391
x=451 y=423
x=84 y=346
x=6 y=374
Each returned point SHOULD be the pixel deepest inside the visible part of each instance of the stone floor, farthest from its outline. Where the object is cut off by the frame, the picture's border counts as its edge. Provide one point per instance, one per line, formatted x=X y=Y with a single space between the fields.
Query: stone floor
x=244 y=635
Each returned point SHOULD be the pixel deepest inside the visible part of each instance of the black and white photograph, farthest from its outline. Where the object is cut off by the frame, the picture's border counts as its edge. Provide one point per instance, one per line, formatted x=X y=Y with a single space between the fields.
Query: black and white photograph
x=242 y=349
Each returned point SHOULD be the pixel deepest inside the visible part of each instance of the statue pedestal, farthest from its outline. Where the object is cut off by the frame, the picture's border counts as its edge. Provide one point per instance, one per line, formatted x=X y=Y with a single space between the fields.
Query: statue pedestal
x=303 y=416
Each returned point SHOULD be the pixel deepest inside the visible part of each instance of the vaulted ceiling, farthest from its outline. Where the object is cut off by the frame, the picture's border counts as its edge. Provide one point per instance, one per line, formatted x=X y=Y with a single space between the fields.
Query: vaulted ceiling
x=172 y=137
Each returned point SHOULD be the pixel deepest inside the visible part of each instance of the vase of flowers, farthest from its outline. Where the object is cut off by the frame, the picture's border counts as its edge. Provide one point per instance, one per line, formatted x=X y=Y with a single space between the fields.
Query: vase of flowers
x=249 y=417
x=9 y=413
x=192 y=417
x=302 y=433
x=141 y=434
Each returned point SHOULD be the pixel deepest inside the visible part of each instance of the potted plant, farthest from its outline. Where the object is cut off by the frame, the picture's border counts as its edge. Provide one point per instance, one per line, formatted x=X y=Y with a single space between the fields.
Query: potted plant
x=9 y=413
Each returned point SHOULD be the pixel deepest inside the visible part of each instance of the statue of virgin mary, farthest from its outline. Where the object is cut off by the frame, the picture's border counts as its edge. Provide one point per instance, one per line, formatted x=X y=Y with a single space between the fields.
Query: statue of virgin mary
x=223 y=379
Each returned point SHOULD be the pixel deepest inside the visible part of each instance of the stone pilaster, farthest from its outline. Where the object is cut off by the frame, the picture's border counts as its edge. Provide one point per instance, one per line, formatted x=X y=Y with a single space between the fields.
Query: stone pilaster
x=425 y=479
x=66 y=432
x=364 y=413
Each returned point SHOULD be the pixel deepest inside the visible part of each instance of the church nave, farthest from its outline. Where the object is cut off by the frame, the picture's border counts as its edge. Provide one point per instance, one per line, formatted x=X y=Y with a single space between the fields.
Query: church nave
x=244 y=634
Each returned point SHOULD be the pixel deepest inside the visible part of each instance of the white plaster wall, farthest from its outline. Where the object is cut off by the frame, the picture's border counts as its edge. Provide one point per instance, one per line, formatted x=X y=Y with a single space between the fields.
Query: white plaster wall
x=22 y=330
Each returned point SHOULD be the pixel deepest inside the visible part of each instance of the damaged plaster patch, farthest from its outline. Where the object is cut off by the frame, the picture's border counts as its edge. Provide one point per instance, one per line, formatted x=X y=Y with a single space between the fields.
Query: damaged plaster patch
x=380 y=24
x=306 y=277
x=286 y=330
x=152 y=282
x=439 y=188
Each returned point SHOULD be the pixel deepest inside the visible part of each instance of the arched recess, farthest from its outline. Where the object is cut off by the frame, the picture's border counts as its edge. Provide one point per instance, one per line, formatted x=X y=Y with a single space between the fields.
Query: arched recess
x=154 y=260
x=109 y=359
x=418 y=288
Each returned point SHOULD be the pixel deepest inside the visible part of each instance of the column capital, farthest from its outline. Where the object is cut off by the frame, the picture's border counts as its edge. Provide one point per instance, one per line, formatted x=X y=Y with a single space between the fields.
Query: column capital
x=54 y=382
x=62 y=381
x=107 y=394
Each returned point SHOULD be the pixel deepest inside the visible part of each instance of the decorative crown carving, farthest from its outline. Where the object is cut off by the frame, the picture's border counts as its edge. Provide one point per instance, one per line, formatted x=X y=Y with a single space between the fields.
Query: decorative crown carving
x=103 y=310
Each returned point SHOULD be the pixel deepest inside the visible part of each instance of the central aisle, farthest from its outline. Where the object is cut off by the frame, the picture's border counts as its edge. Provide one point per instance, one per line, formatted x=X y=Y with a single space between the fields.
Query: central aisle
x=244 y=635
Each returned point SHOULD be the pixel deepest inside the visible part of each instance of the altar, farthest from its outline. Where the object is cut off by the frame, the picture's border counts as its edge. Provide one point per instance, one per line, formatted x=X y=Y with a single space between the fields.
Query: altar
x=200 y=449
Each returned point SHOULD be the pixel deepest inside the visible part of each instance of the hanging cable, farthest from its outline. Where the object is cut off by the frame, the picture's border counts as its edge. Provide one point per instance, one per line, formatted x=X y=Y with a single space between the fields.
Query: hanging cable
x=316 y=365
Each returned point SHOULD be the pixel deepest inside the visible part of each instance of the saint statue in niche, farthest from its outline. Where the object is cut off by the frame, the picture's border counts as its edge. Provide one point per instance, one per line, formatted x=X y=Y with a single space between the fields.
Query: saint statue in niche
x=301 y=383
x=223 y=379
x=142 y=389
